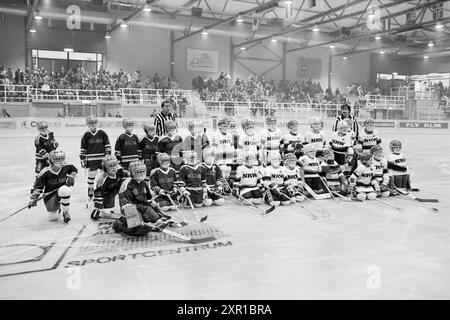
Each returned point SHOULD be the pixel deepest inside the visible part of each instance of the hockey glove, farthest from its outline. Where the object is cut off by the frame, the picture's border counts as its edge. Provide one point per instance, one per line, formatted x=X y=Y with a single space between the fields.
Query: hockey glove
x=32 y=202
x=384 y=188
x=235 y=192
x=83 y=163
x=70 y=181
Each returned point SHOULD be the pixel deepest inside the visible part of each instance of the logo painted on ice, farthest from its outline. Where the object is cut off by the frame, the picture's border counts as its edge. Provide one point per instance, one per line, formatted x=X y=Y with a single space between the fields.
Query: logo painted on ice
x=374 y=280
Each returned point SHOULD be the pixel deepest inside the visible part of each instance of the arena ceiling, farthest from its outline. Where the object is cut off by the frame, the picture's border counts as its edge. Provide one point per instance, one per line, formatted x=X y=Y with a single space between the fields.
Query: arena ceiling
x=351 y=26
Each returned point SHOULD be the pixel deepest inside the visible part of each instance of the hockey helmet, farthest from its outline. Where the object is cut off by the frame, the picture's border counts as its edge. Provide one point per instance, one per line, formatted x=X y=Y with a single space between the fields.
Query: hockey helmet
x=57 y=157
x=42 y=126
x=290 y=160
x=138 y=170
x=292 y=123
x=128 y=124
x=110 y=164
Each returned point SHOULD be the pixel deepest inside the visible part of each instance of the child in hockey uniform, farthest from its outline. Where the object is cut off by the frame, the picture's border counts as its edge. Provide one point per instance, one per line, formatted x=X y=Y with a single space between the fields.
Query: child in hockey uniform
x=273 y=180
x=270 y=138
x=170 y=144
x=316 y=136
x=251 y=143
x=381 y=172
x=135 y=193
x=332 y=173
x=311 y=167
x=398 y=166
x=222 y=141
x=108 y=186
x=293 y=141
x=197 y=139
x=163 y=183
x=292 y=177
x=368 y=137
x=247 y=183
x=127 y=144
x=148 y=149
x=238 y=158
x=54 y=181
x=213 y=175
x=44 y=144
x=192 y=181
x=94 y=146
x=341 y=144
x=363 y=183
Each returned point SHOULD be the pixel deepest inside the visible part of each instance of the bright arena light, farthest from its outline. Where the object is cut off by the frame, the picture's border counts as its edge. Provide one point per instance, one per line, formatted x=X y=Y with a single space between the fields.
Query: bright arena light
x=204 y=32
x=377 y=37
x=332 y=45
x=425 y=57
x=239 y=19
x=345 y=57
x=243 y=48
x=37 y=17
x=124 y=24
x=68 y=49
x=147 y=8
x=381 y=52
x=107 y=36
x=274 y=39
x=439 y=26
x=315 y=28
x=431 y=44
x=33 y=30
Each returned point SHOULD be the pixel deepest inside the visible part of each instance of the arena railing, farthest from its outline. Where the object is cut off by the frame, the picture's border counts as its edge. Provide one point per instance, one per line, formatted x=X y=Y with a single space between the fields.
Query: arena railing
x=386 y=102
x=14 y=93
x=411 y=93
x=64 y=95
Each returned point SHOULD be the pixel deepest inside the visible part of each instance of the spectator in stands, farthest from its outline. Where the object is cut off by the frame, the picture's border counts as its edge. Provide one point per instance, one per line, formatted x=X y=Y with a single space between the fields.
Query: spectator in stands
x=161 y=118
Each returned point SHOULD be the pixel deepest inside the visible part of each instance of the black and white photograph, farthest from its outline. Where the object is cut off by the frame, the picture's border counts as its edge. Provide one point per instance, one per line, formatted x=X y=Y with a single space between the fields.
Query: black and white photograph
x=224 y=150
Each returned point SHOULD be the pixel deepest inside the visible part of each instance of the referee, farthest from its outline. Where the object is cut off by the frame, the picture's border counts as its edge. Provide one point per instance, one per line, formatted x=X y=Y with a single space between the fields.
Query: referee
x=161 y=118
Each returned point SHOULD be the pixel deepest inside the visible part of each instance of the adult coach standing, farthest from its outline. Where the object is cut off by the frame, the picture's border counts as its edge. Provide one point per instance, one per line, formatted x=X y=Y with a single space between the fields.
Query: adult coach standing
x=162 y=118
x=346 y=116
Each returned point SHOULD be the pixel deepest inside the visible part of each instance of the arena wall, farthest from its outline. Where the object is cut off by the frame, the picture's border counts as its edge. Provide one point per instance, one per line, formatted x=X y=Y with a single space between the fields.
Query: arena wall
x=12 y=39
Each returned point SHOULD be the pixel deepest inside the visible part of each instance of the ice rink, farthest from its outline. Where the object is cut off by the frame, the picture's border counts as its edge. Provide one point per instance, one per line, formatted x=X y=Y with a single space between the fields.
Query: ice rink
x=362 y=251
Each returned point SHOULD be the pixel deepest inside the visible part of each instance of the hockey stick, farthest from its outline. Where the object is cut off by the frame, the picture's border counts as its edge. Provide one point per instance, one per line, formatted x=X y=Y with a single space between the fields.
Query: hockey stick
x=324 y=212
x=345 y=198
x=405 y=193
x=27 y=206
x=242 y=199
x=178 y=209
x=388 y=204
x=195 y=212
x=312 y=215
x=181 y=236
x=326 y=186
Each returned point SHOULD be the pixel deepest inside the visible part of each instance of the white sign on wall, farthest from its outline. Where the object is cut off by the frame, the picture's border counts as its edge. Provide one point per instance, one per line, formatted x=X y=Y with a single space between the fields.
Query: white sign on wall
x=202 y=60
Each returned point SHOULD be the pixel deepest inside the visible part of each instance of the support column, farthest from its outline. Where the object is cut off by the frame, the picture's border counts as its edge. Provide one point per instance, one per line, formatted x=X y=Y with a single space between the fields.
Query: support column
x=284 y=61
x=231 y=60
x=330 y=69
x=172 y=54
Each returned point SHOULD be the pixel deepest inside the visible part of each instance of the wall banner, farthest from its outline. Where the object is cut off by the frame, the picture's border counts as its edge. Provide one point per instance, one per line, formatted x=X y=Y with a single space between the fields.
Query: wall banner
x=202 y=60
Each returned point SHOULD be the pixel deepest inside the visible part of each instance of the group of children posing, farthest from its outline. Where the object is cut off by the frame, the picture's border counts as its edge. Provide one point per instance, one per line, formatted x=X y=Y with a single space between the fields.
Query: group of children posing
x=158 y=173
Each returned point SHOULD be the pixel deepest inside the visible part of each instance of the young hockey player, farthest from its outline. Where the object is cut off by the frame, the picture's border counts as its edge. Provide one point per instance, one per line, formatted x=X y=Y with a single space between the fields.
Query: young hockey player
x=341 y=144
x=54 y=181
x=293 y=141
x=213 y=175
x=107 y=187
x=362 y=181
x=44 y=144
x=398 y=166
x=251 y=143
x=192 y=181
x=332 y=172
x=135 y=198
x=311 y=167
x=94 y=146
x=197 y=139
x=148 y=149
x=127 y=145
x=222 y=142
x=247 y=183
x=316 y=136
x=273 y=180
x=270 y=138
x=238 y=158
x=292 y=176
x=163 y=183
x=169 y=144
x=368 y=137
x=381 y=172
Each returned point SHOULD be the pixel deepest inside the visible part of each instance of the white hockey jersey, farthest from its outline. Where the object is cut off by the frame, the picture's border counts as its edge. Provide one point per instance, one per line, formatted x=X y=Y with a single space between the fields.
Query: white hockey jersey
x=224 y=147
x=364 y=174
x=247 y=177
x=292 y=177
x=271 y=139
x=398 y=160
x=273 y=175
x=316 y=139
x=381 y=172
x=368 y=140
x=339 y=141
x=311 y=166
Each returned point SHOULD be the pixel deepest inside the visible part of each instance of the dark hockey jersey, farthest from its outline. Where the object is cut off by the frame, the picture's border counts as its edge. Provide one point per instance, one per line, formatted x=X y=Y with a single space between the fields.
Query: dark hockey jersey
x=172 y=147
x=126 y=148
x=134 y=192
x=110 y=184
x=94 y=146
x=49 y=180
x=44 y=143
x=148 y=148
x=195 y=143
x=191 y=177
x=162 y=179
x=212 y=173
